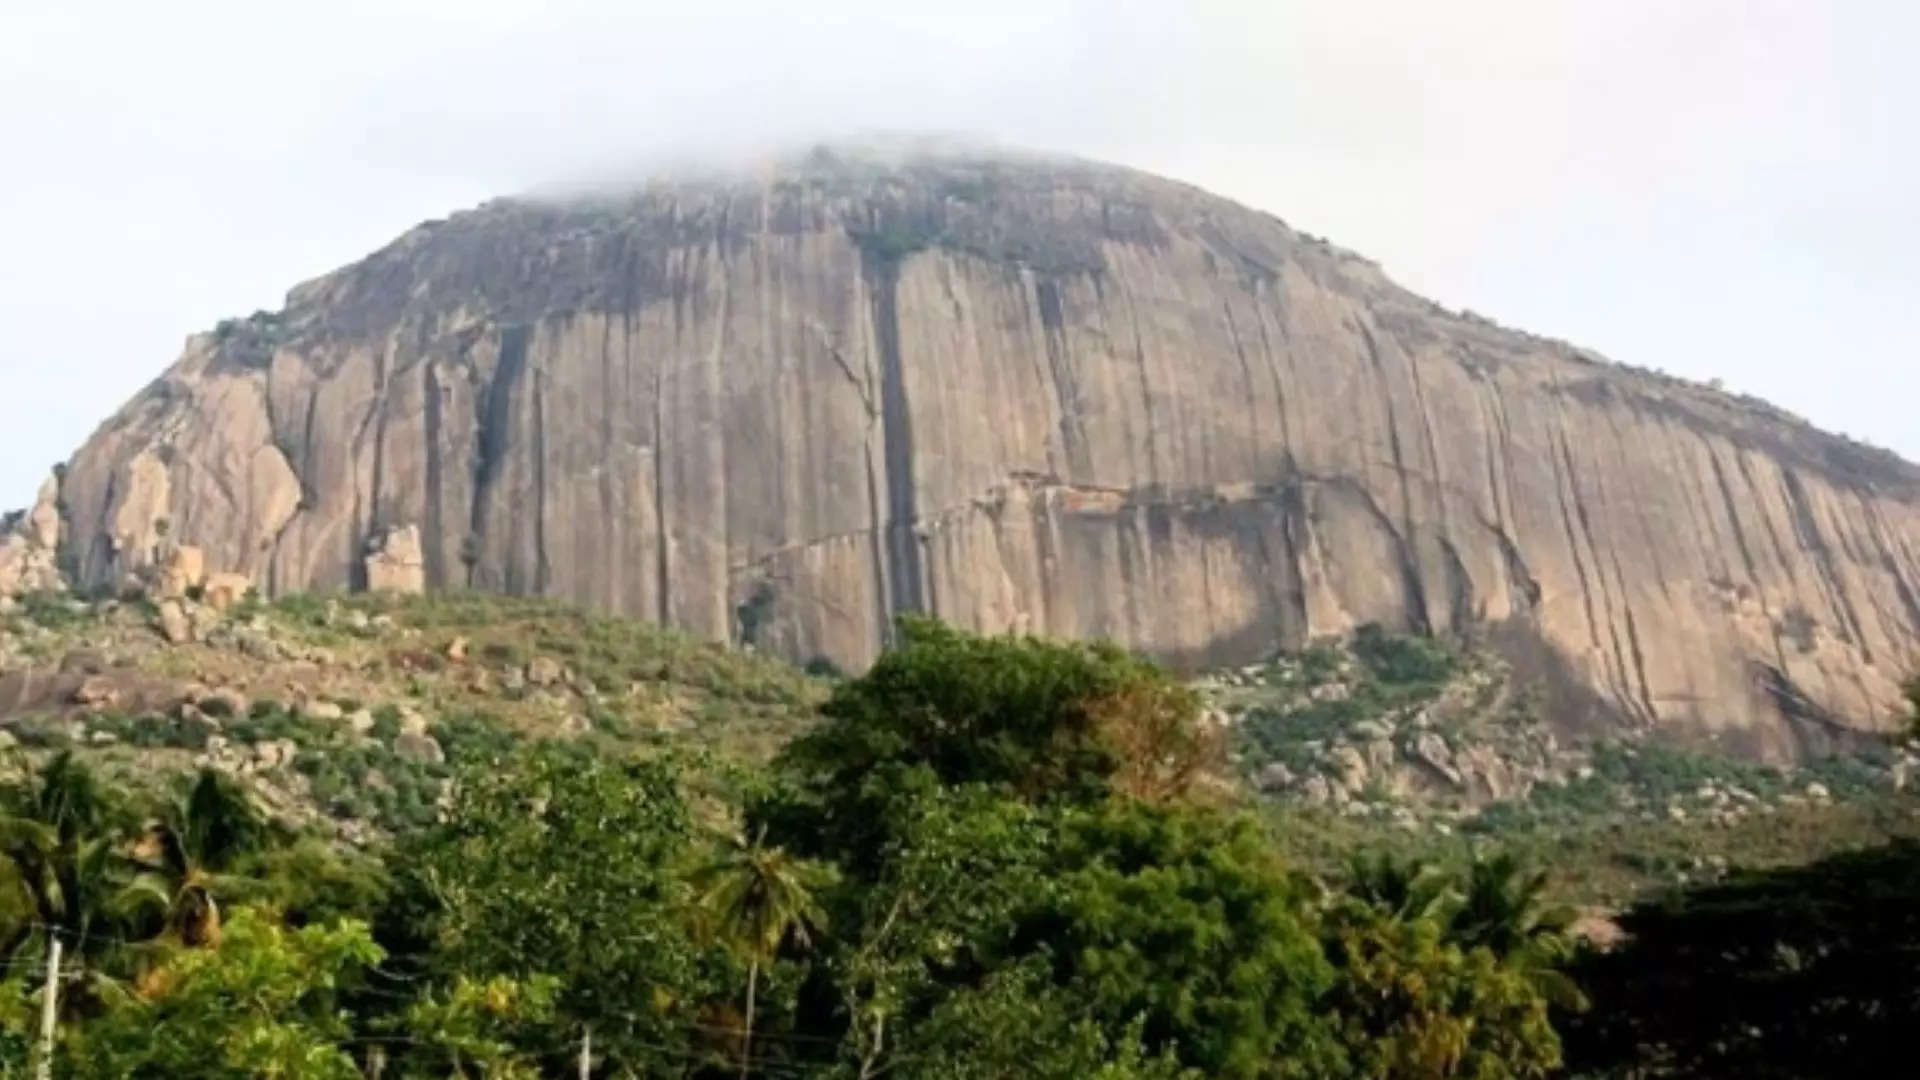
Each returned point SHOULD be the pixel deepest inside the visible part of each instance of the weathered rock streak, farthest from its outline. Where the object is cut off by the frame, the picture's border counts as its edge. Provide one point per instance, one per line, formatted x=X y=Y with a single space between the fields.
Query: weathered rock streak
x=1019 y=393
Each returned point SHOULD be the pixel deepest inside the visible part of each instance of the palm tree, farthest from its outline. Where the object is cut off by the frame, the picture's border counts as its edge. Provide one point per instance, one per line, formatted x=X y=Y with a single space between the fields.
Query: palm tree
x=58 y=833
x=1407 y=890
x=752 y=898
x=190 y=854
x=1504 y=910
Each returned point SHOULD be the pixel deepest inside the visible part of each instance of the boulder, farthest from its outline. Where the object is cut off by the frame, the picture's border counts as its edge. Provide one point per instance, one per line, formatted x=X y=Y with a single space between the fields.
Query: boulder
x=185 y=569
x=1380 y=757
x=395 y=563
x=457 y=650
x=1485 y=773
x=1274 y=776
x=1317 y=791
x=42 y=524
x=420 y=748
x=258 y=645
x=96 y=692
x=29 y=547
x=222 y=591
x=1349 y=768
x=325 y=711
x=275 y=753
x=1371 y=729
x=1431 y=750
x=360 y=721
x=545 y=671
x=412 y=723
x=175 y=625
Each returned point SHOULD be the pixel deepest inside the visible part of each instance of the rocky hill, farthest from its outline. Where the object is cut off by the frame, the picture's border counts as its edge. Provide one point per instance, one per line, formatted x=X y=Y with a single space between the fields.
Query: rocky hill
x=1018 y=392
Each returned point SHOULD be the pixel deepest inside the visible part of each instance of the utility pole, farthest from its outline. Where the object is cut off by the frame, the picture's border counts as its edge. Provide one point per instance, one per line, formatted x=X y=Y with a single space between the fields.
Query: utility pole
x=586 y=1053
x=49 y=1006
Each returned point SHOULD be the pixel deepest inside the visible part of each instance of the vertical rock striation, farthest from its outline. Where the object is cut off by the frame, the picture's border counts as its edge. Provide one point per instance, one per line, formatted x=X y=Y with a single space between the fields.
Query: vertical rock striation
x=1025 y=393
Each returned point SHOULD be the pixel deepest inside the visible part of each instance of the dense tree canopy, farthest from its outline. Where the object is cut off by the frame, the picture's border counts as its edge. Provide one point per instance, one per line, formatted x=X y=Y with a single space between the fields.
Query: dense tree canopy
x=1042 y=721
x=576 y=868
x=988 y=863
x=1796 y=972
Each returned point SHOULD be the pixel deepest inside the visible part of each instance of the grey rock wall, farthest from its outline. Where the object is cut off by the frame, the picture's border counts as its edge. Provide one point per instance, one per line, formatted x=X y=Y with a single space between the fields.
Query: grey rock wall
x=1032 y=394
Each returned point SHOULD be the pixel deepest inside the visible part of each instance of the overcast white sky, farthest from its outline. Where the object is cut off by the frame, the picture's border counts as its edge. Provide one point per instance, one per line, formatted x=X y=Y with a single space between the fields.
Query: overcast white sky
x=1714 y=187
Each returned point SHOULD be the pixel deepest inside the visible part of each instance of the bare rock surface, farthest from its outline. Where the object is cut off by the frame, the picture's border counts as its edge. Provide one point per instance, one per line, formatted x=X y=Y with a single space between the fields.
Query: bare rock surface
x=1024 y=393
x=29 y=546
x=395 y=564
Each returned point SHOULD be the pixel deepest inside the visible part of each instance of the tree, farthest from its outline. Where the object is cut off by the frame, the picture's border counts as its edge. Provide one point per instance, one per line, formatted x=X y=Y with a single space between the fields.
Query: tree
x=60 y=833
x=1153 y=728
x=1018 y=1025
x=997 y=929
x=556 y=863
x=1044 y=721
x=1408 y=1005
x=1911 y=688
x=1792 y=972
x=961 y=866
x=1502 y=908
x=754 y=898
x=1182 y=920
x=58 y=828
x=1403 y=889
x=261 y=1006
x=473 y=1023
x=191 y=852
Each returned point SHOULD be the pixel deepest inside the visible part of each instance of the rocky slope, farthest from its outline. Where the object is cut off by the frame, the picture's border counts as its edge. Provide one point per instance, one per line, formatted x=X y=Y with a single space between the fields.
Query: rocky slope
x=1023 y=393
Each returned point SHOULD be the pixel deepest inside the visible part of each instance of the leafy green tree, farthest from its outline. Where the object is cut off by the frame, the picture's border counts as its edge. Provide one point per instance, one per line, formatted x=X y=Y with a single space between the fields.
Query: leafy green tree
x=261 y=1006
x=1018 y=1024
x=558 y=864
x=1408 y=1005
x=1183 y=920
x=311 y=880
x=470 y=1028
x=1046 y=721
x=753 y=899
x=961 y=866
x=1911 y=688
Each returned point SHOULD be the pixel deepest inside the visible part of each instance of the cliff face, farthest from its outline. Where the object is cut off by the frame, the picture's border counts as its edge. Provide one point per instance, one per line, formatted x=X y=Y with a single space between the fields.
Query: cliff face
x=1045 y=395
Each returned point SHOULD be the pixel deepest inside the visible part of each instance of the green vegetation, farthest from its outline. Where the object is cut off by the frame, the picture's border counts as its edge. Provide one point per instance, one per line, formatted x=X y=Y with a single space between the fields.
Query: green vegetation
x=987 y=857
x=1391 y=673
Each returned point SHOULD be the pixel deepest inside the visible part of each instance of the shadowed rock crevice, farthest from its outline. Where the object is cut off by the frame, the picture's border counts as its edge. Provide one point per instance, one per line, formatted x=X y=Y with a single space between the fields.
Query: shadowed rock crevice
x=882 y=274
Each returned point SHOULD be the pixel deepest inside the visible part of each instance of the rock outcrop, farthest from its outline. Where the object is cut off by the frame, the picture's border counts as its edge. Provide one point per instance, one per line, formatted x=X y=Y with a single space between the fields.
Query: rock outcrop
x=1028 y=393
x=30 y=547
x=395 y=563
